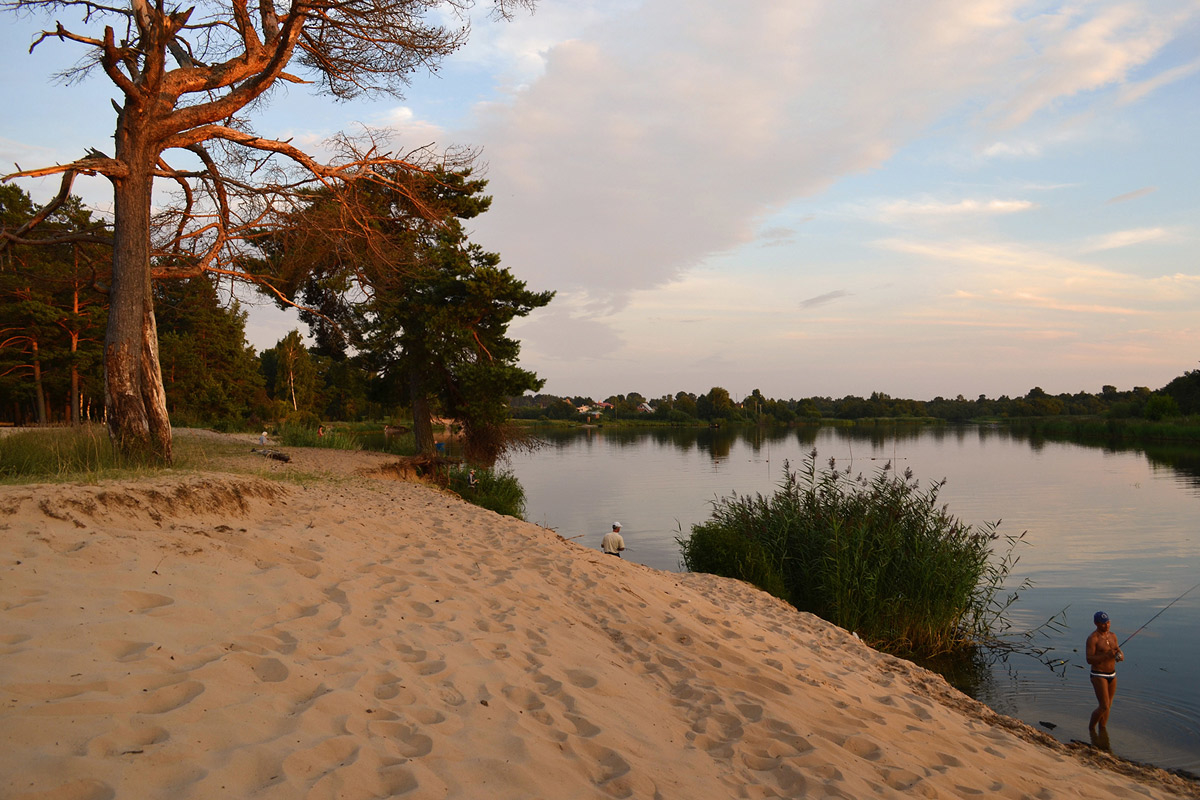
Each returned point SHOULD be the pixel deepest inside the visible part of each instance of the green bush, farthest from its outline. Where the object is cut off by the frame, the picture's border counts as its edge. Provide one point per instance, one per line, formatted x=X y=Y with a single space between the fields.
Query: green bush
x=1160 y=406
x=876 y=556
x=720 y=549
x=498 y=491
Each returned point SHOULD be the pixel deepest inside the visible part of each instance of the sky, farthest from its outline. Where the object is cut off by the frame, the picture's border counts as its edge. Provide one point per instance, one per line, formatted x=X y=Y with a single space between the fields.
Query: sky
x=805 y=197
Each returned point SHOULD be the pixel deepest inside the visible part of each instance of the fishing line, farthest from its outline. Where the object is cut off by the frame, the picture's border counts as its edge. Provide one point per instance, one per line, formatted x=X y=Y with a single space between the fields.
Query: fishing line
x=1168 y=605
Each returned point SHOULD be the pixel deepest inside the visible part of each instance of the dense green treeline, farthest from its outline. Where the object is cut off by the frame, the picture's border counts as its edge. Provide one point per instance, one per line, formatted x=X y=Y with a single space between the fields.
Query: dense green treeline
x=1179 y=398
x=409 y=320
x=52 y=315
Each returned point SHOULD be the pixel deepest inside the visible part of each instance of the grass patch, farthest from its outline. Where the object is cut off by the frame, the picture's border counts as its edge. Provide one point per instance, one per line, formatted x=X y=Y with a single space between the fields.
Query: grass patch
x=876 y=556
x=304 y=436
x=85 y=453
x=57 y=454
x=495 y=490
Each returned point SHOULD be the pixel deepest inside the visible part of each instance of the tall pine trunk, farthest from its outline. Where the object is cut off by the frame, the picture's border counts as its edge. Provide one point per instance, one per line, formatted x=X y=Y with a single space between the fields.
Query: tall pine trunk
x=39 y=390
x=422 y=416
x=133 y=389
x=73 y=416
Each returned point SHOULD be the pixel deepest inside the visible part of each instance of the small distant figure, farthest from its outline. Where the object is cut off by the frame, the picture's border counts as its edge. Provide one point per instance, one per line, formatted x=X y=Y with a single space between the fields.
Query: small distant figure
x=1102 y=653
x=612 y=543
x=472 y=481
x=320 y=431
x=262 y=439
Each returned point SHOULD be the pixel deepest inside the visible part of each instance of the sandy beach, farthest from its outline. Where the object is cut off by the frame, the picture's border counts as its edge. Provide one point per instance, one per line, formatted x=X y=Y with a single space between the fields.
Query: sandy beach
x=323 y=629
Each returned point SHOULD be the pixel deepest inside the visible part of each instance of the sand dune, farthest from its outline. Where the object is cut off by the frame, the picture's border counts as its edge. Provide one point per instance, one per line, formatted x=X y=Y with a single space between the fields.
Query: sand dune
x=233 y=636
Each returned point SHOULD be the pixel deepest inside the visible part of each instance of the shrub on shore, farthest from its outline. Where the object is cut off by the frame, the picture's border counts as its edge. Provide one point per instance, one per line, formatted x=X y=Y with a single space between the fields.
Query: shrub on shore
x=495 y=490
x=876 y=556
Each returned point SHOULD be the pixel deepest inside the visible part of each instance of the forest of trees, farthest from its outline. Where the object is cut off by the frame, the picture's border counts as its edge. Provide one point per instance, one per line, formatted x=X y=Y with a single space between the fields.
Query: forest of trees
x=1180 y=397
x=428 y=338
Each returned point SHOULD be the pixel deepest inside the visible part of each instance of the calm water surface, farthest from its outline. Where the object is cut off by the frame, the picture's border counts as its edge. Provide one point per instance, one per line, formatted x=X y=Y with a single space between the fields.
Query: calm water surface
x=1107 y=529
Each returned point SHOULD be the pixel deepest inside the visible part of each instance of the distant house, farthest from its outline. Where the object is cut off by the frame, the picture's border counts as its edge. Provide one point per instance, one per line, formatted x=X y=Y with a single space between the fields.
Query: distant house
x=645 y=408
x=595 y=410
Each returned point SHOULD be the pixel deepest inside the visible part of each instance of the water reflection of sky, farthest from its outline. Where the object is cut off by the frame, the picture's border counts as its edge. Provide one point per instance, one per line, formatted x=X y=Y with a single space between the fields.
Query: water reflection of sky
x=1106 y=529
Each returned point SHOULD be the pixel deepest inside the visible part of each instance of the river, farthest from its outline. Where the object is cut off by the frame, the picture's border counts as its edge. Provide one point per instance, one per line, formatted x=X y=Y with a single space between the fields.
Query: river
x=1107 y=529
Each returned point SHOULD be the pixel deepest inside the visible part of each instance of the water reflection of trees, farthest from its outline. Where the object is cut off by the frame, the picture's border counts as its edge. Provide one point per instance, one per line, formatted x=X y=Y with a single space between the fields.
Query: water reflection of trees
x=1182 y=457
x=718 y=443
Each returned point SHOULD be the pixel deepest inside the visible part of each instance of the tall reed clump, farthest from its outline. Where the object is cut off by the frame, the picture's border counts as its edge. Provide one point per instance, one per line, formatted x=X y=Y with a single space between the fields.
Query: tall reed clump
x=495 y=490
x=57 y=453
x=876 y=556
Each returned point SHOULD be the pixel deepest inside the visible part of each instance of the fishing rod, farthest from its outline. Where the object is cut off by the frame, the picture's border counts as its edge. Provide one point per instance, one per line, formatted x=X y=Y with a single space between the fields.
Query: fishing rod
x=1164 y=608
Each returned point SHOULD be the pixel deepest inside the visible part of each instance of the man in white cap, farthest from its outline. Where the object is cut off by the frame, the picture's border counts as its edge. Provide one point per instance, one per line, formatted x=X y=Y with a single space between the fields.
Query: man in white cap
x=612 y=543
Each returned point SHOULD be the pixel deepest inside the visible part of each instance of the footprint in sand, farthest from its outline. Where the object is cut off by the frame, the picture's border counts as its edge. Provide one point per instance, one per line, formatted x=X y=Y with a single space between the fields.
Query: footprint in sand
x=523 y=698
x=425 y=716
x=404 y=739
x=582 y=726
x=920 y=710
x=863 y=747
x=410 y=655
x=395 y=691
x=146 y=601
x=125 y=741
x=433 y=667
x=267 y=670
x=751 y=712
x=123 y=651
x=51 y=691
x=903 y=780
x=307 y=766
x=450 y=695
x=170 y=698
x=550 y=687
x=581 y=679
x=85 y=789
x=307 y=554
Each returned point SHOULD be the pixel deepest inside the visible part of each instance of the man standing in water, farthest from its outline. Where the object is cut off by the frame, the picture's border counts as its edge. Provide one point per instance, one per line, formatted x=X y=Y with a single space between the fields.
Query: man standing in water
x=1103 y=653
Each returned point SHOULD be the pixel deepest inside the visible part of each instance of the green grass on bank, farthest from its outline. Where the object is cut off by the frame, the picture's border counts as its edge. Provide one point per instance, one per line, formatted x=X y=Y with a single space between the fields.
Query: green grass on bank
x=331 y=437
x=85 y=453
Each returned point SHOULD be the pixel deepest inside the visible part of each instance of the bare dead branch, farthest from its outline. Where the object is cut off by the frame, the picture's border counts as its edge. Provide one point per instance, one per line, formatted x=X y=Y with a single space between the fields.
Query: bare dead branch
x=88 y=165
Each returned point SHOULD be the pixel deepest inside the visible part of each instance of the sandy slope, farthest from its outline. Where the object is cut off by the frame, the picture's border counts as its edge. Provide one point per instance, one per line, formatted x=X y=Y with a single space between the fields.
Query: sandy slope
x=226 y=636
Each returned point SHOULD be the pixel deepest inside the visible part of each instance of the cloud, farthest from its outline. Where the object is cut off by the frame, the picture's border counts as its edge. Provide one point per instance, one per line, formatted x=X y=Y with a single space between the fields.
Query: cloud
x=779 y=235
x=1128 y=238
x=1085 y=48
x=1136 y=193
x=1134 y=91
x=823 y=299
x=655 y=138
x=1054 y=304
x=1012 y=150
x=933 y=208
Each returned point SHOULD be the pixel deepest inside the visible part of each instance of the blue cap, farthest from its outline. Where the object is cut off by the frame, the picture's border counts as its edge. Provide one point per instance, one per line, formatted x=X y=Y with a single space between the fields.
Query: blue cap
x=1099 y=617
